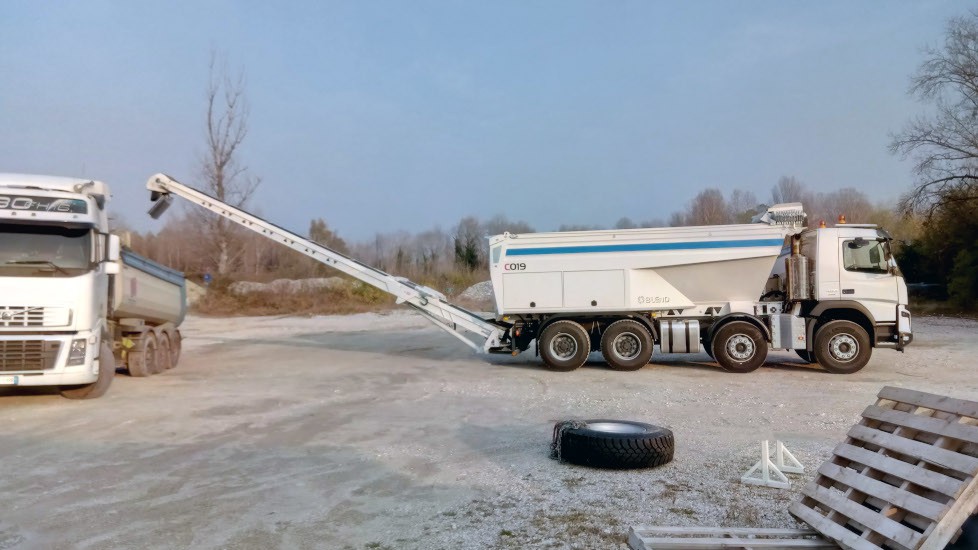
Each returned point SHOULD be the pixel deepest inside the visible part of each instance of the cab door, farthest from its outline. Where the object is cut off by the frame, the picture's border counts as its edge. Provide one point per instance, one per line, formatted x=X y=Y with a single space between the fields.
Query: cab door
x=865 y=276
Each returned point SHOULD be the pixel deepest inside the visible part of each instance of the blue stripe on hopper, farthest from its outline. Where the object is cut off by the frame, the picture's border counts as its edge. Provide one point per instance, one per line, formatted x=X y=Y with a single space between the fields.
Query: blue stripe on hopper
x=642 y=247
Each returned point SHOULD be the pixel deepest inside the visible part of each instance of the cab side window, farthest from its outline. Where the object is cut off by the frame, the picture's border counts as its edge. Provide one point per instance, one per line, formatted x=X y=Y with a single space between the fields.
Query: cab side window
x=864 y=256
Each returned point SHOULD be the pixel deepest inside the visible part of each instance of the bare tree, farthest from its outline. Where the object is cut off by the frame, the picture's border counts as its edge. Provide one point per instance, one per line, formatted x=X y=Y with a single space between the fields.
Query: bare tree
x=742 y=206
x=788 y=189
x=708 y=208
x=222 y=175
x=944 y=147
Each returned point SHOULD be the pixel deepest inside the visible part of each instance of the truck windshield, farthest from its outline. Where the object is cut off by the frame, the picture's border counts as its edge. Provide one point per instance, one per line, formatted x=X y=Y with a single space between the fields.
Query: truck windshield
x=44 y=251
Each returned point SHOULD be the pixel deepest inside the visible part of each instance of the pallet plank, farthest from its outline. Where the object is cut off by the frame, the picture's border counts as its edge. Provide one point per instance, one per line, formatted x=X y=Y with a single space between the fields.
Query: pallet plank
x=943 y=403
x=894 y=495
x=945 y=529
x=865 y=516
x=928 y=424
x=675 y=538
x=917 y=475
x=939 y=457
x=846 y=538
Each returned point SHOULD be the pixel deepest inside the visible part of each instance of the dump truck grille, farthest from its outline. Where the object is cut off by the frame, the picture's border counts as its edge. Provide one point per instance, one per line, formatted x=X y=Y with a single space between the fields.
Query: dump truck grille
x=27 y=316
x=19 y=355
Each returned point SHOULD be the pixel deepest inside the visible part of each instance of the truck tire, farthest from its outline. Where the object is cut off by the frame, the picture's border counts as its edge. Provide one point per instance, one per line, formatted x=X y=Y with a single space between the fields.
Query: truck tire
x=176 y=344
x=106 y=372
x=164 y=357
x=626 y=345
x=842 y=347
x=618 y=444
x=564 y=346
x=143 y=360
x=739 y=346
x=806 y=355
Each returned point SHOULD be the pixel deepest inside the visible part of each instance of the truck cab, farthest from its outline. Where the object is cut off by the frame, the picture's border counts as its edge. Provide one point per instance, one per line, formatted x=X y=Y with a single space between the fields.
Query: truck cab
x=56 y=258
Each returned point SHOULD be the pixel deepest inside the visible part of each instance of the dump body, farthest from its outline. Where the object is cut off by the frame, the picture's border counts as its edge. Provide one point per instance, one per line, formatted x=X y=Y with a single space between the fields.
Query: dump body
x=149 y=291
x=633 y=270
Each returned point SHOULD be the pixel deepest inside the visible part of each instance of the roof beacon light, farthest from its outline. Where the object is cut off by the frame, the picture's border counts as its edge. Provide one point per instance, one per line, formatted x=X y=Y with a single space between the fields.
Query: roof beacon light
x=842 y=218
x=821 y=224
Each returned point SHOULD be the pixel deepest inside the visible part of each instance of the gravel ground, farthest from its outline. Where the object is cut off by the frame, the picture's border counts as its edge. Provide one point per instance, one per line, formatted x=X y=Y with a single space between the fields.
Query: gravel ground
x=379 y=431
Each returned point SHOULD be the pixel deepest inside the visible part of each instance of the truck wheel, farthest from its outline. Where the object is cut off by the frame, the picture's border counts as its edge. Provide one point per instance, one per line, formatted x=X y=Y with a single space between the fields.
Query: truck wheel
x=144 y=361
x=176 y=344
x=626 y=345
x=842 y=347
x=806 y=355
x=164 y=356
x=739 y=346
x=613 y=444
x=106 y=372
x=565 y=346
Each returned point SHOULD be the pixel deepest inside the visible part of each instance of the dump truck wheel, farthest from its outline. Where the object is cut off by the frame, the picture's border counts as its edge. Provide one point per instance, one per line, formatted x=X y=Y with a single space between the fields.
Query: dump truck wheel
x=618 y=444
x=106 y=372
x=806 y=355
x=564 y=346
x=176 y=344
x=626 y=345
x=144 y=360
x=842 y=347
x=164 y=356
x=739 y=346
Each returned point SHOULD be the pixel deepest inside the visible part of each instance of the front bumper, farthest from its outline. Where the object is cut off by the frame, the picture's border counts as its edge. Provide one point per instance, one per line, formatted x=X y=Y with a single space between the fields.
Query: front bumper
x=41 y=359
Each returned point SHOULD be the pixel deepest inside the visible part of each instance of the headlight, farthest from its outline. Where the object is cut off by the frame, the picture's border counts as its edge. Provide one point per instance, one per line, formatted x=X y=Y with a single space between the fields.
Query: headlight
x=77 y=354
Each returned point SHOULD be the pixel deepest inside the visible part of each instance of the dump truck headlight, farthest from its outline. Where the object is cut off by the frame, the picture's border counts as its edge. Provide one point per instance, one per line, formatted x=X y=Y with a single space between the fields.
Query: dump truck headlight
x=77 y=354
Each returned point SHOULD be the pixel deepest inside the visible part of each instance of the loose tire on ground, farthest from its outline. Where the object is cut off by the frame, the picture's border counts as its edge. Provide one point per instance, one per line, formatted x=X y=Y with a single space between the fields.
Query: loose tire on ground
x=842 y=347
x=739 y=346
x=564 y=346
x=626 y=345
x=143 y=359
x=106 y=372
x=618 y=444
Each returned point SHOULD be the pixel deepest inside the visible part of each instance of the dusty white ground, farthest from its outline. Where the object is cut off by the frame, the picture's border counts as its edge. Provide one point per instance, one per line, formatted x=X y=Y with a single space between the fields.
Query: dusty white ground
x=380 y=431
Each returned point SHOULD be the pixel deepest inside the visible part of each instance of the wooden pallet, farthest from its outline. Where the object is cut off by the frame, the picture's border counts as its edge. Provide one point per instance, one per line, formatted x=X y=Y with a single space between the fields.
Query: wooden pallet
x=904 y=479
x=705 y=538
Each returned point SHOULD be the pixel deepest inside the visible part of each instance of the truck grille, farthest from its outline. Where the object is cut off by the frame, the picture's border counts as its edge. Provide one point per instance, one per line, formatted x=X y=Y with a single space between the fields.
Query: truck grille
x=27 y=316
x=18 y=355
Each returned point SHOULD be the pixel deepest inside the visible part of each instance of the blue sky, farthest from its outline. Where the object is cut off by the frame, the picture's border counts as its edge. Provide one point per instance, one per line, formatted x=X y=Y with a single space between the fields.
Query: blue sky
x=384 y=116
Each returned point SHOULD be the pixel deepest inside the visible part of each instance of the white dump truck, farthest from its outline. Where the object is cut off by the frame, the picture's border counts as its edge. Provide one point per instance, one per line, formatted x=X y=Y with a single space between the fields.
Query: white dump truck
x=732 y=291
x=73 y=305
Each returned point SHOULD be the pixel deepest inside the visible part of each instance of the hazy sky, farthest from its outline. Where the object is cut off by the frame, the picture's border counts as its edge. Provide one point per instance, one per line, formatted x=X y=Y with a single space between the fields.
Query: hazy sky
x=381 y=116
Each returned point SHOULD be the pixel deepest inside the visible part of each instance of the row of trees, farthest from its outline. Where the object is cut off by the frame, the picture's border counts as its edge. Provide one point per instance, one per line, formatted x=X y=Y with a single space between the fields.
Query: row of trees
x=936 y=221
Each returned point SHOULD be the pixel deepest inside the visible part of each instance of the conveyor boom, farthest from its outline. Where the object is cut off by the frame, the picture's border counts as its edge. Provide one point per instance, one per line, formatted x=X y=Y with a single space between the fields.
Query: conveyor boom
x=428 y=302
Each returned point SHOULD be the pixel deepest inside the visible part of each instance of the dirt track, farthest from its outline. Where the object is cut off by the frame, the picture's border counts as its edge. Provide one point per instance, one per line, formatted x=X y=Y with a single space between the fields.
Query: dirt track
x=380 y=431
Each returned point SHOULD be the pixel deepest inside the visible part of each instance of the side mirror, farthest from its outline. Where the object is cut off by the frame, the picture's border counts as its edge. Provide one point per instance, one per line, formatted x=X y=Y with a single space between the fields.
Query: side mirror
x=112 y=254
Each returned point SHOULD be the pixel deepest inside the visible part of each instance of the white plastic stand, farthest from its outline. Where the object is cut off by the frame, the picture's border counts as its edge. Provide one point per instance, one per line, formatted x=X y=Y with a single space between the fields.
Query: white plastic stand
x=772 y=473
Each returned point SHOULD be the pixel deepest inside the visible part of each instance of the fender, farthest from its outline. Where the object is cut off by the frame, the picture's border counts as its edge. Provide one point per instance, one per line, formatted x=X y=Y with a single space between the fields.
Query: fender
x=608 y=319
x=822 y=307
x=738 y=317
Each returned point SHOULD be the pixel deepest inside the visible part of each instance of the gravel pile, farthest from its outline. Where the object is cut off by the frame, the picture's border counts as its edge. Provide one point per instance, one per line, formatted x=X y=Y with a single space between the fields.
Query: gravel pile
x=479 y=292
x=290 y=286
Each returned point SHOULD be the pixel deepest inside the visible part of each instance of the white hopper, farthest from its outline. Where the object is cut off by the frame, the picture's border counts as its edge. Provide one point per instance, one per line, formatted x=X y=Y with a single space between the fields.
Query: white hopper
x=635 y=269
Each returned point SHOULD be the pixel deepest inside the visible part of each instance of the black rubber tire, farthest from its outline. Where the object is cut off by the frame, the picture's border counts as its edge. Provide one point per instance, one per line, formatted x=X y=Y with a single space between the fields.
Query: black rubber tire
x=176 y=345
x=143 y=360
x=806 y=355
x=739 y=337
x=571 y=348
x=164 y=355
x=834 y=343
x=630 y=337
x=644 y=445
x=106 y=372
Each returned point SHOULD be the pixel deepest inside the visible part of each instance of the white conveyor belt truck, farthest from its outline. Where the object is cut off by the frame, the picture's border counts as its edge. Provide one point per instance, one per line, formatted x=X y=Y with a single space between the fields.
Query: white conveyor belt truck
x=732 y=291
x=73 y=305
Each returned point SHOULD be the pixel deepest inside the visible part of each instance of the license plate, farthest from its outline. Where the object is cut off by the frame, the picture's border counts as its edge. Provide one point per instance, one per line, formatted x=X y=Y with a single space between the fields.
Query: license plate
x=8 y=380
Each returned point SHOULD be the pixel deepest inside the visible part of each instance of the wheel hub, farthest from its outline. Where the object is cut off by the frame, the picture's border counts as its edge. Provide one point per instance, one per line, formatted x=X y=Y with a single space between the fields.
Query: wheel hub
x=843 y=347
x=626 y=346
x=740 y=347
x=563 y=346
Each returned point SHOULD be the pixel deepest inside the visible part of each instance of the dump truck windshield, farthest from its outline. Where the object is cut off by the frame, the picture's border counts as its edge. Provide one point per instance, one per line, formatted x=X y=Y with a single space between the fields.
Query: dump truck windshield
x=34 y=250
